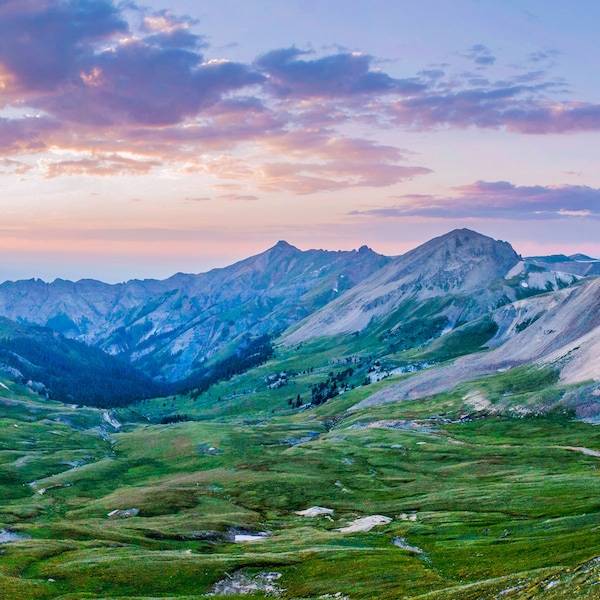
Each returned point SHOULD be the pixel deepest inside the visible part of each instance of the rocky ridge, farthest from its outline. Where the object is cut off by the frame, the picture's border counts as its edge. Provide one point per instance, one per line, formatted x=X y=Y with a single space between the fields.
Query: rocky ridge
x=560 y=329
x=168 y=327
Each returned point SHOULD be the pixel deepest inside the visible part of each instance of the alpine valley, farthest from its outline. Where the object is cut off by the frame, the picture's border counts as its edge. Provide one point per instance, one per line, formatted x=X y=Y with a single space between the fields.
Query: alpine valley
x=306 y=425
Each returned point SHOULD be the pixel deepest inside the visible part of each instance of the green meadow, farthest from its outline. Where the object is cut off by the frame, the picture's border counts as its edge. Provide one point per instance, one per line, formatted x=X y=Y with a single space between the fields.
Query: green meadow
x=490 y=491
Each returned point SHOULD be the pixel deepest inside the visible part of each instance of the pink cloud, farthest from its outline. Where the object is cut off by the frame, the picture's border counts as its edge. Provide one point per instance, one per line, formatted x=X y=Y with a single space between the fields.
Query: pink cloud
x=99 y=166
x=239 y=197
x=326 y=162
x=498 y=200
x=104 y=86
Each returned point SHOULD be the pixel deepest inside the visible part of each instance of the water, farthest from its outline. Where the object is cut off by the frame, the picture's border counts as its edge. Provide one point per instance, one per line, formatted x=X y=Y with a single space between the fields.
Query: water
x=7 y=536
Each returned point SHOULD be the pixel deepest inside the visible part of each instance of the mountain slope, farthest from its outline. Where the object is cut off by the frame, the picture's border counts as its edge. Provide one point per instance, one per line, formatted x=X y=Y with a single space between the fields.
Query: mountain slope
x=461 y=265
x=167 y=328
x=68 y=370
x=576 y=264
x=559 y=329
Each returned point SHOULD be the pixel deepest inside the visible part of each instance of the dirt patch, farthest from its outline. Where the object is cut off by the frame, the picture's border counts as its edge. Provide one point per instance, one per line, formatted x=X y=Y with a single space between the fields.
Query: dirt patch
x=241 y=538
x=478 y=401
x=401 y=543
x=587 y=451
x=315 y=511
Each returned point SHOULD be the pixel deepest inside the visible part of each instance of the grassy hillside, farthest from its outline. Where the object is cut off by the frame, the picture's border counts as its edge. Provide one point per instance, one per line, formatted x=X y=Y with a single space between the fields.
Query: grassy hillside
x=490 y=490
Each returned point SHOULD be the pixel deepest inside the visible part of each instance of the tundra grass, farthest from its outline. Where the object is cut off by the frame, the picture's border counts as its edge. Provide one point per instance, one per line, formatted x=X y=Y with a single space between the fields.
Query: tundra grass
x=484 y=502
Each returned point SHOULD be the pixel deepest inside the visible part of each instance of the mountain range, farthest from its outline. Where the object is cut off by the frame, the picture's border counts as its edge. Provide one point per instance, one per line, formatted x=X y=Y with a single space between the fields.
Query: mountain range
x=173 y=330
x=306 y=425
x=168 y=328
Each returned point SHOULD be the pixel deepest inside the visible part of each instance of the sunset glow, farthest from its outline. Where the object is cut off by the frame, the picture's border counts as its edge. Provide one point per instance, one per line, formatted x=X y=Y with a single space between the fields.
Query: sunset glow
x=139 y=141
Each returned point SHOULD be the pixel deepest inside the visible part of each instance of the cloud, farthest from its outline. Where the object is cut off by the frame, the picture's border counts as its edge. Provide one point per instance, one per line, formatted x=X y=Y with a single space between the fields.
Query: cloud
x=109 y=81
x=43 y=43
x=25 y=135
x=138 y=83
x=196 y=199
x=239 y=197
x=168 y=30
x=323 y=162
x=309 y=178
x=516 y=107
x=336 y=75
x=543 y=56
x=481 y=55
x=99 y=166
x=13 y=167
x=51 y=56
x=500 y=200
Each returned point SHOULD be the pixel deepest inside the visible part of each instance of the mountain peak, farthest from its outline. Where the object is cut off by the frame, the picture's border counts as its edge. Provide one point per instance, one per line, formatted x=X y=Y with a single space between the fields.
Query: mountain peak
x=582 y=257
x=464 y=234
x=282 y=245
x=468 y=241
x=462 y=263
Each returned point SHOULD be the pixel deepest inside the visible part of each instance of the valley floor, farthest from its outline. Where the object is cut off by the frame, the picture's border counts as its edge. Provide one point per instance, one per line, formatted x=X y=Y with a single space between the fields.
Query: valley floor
x=466 y=503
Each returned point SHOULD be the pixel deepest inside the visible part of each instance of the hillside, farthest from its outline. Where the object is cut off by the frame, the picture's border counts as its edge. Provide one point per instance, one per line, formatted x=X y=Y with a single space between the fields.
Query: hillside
x=70 y=371
x=560 y=329
x=260 y=499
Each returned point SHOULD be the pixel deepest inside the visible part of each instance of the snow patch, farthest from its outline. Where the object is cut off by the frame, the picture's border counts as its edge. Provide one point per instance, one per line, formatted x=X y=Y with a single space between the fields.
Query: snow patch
x=401 y=543
x=517 y=270
x=7 y=536
x=249 y=537
x=315 y=511
x=111 y=420
x=365 y=524
x=240 y=583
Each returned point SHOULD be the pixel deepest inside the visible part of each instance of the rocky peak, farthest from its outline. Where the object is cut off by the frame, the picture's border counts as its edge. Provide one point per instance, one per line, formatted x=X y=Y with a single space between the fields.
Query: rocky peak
x=365 y=250
x=461 y=262
x=283 y=246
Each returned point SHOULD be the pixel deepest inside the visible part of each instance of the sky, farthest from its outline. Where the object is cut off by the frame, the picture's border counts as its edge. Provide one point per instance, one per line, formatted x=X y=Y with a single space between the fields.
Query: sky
x=141 y=140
